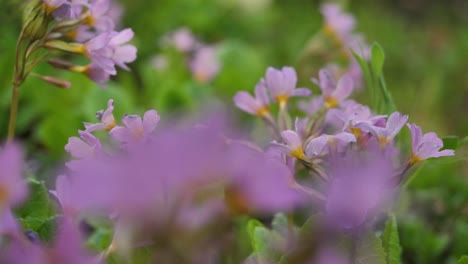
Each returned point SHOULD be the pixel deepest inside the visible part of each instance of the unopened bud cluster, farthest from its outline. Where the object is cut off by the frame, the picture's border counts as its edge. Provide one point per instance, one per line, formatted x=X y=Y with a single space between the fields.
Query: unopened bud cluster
x=78 y=27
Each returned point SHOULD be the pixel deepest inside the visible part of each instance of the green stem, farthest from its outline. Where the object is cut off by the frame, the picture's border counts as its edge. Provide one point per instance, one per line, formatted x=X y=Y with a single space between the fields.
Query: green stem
x=18 y=79
x=13 y=111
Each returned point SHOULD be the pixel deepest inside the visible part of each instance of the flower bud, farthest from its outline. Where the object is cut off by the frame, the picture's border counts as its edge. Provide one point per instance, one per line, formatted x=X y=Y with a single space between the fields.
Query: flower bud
x=54 y=81
x=35 y=20
x=60 y=64
x=75 y=48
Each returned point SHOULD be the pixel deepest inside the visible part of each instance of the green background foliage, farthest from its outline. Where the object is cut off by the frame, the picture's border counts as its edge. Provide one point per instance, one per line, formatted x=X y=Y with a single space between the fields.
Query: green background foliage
x=426 y=60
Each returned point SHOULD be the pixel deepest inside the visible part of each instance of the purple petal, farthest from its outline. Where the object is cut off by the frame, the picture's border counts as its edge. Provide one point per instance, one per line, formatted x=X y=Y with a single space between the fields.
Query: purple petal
x=244 y=101
x=133 y=122
x=78 y=148
x=326 y=82
x=344 y=88
x=150 y=121
x=443 y=153
x=122 y=37
x=394 y=124
x=121 y=134
x=261 y=93
x=316 y=146
x=345 y=137
x=290 y=78
x=301 y=92
x=291 y=138
x=124 y=54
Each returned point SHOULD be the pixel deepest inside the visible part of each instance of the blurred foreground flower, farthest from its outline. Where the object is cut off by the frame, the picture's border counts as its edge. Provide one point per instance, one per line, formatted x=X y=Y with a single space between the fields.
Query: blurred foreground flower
x=186 y=177
x=200 y=58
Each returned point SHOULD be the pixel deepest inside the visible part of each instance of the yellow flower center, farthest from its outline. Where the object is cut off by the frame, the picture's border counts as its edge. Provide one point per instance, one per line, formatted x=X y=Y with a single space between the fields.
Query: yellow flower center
x=298 y=153
x=49 y=8
x=356 y=131
x=383 y=141
x=72 y=34
x=330 y=102
x=263 y=111
x=282 y=100
x=88 y=19
x=110 y=125
x=414 y=159
x=331 y=33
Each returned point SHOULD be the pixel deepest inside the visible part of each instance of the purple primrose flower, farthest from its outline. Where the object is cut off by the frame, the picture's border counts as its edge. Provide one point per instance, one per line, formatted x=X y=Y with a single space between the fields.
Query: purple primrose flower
x=333 y=94
x=386 y=134
x=281 y=84
x=106 y=117
x=136 y=128
x=426 y=146
x=258 y=105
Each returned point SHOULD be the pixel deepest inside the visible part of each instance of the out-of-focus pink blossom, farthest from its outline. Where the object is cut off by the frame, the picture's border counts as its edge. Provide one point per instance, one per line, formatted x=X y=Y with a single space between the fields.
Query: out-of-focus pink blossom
x=67 y=248
x=205 y=64
x=359 y=187
x=13 y=188
x=136 y=129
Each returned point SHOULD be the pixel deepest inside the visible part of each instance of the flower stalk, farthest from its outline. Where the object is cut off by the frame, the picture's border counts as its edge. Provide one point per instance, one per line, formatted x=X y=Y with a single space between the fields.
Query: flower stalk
x=18 y=79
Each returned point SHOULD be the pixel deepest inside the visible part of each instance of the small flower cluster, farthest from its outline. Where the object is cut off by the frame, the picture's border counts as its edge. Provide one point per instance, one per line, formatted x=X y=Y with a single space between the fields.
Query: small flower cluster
x=162 y=187
x=340 y=141
x=158 y=181
x=176 y=191
x=84 y=27
x=340 y=27
x=201 y=58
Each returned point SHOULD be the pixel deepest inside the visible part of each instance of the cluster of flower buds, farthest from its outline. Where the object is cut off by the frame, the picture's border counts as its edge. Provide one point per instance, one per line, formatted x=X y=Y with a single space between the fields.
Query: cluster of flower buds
x=339 y=141
x=83 y=27
x=201 y=58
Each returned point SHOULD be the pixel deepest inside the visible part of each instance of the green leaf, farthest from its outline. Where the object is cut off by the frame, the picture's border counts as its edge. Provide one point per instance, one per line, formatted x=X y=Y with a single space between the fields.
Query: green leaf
x=369 y=250
x=38 y=208
x=306 y=239
x=453 y=142
x=463 y=260
x=47 y=229
x=391 y=241
x=389 y=105
x=267 y=244
x=251 y=225
x=308 y=227
x=100 y=239
x=364 y=67
x=369 y=79
x=261 y=239
x=377 y=59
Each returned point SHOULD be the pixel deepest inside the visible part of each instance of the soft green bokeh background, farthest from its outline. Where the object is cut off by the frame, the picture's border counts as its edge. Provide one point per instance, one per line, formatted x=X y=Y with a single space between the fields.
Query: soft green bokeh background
x=426 y=45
